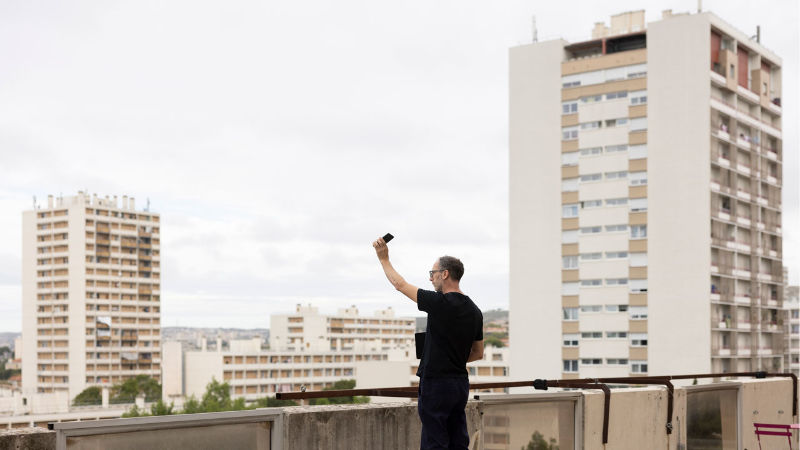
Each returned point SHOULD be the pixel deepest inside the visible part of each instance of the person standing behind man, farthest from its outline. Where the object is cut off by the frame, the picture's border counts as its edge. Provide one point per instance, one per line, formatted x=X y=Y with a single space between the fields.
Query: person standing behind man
x=454 y=337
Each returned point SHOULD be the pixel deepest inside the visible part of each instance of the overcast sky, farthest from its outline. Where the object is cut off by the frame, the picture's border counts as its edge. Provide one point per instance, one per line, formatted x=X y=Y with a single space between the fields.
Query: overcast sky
x=277 y=139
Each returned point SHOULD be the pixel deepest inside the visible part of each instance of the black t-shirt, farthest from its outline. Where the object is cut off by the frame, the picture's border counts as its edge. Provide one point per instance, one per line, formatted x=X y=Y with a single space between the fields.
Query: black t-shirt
x=454 y=323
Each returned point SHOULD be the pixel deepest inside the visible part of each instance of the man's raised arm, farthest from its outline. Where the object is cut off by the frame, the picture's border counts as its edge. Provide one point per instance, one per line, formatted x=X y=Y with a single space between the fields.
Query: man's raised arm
x=382 y=250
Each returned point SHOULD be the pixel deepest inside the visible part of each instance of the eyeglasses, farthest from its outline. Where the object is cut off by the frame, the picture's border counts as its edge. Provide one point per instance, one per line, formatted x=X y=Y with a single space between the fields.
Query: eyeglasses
x=431 y=272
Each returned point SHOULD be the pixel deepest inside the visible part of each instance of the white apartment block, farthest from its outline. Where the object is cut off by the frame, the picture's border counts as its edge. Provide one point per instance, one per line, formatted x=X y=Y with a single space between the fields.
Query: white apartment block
x=308 y=330
x=90 y=293
x=254 y=373
x=645 y=201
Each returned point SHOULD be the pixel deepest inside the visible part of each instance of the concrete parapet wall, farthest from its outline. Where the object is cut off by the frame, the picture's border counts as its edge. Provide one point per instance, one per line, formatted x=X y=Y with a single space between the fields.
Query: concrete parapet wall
x=28 y=439
x=353 y=427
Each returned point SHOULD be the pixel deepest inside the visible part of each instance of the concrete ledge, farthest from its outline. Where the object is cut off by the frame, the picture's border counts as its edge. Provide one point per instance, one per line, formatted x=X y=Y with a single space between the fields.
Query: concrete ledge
x=387 y=426
x=28 y=439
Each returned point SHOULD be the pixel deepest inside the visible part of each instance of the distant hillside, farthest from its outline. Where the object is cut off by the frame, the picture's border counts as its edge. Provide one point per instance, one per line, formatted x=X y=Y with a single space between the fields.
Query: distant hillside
x=7 y=339
x=493 y=315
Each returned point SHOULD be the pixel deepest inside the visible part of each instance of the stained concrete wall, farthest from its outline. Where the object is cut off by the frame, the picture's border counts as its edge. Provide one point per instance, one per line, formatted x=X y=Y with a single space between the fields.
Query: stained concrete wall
x=367 y=427
x=638 y=419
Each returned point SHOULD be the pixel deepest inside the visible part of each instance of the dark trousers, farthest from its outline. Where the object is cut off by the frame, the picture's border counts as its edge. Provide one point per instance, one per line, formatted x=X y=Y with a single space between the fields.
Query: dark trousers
x=441 y=409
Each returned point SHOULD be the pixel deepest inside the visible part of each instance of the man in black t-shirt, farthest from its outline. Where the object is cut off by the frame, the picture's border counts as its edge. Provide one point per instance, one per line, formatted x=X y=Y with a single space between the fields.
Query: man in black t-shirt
x=454 y=337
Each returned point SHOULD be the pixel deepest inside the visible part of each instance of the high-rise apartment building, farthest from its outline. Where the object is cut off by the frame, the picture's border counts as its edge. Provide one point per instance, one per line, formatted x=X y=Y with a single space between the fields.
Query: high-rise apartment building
x=645 y=201
x=90 y=293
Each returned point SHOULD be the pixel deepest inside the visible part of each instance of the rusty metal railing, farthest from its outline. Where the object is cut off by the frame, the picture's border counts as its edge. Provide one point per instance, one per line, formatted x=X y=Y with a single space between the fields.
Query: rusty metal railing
x=540 y=384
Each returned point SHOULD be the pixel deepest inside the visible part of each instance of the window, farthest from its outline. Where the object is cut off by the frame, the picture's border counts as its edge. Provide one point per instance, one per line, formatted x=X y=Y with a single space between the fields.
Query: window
x=616 y=334
x=591 y=125
x=639 y=124
x=591 y=309
x=638 y=231
x=569 y=313
x=616 y=255
x=638 y=366
x=592 y=335
x=591 y=204
x=638 y=286
x=570 y=365
x=590 y=283
x=569 y=262
x=637 y=151
x=636 y=71
x=638 y=98
x=569 y=237
x=591 y=361
x=638 y=339
x=637 y=178
x=616 y=148
x=591 y=230
x=569 y=288
x=615 y=95
x=616 y=175
x=612 y=228
x=569 y=133
x=591 y=177
x=591 y=151
x=616 y=201
x=592 y=99
x=570 y=340
x=638 y=204
x=617 y=361
x=569 y=210
x=638 y=259
x=637 y=312
x=616 y=122
x=616 y=281
x=569 y=81
x=615 y=73
x=569 y=184
x=569 y=107
x=569 y=159
x=591 y=256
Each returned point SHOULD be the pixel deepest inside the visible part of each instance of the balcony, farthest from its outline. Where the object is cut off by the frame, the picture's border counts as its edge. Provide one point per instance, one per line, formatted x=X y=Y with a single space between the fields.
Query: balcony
x=637 y=418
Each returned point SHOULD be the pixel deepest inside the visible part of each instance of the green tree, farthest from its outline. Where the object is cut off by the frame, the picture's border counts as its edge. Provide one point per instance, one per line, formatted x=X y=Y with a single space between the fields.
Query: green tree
x=128 y=390
x=162 y=409
x=537 y=442
x=493 y=341
x=217 y=397
x=339 y=385
x=93 y=395
x=192 y=406
x=134 y=412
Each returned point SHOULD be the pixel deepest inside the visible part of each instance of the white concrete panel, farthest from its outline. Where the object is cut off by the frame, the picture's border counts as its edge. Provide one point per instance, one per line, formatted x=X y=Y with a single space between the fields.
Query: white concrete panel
x=607 y=163
x=604 y=189
x=607 y=109
x=604 y=371
x=604 y=269
x=602 y=137
x=604 y=242
x=678 y=215
x=535 y=208
x=29 y=302
x=604 y=295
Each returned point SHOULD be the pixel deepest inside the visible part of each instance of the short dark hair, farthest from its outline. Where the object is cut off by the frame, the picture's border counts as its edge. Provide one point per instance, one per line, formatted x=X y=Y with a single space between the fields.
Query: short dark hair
x=452 y=265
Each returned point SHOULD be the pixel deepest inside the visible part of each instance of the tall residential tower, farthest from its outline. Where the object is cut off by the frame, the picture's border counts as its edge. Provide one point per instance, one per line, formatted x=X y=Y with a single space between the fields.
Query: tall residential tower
x=645 y=201
x=90 y=293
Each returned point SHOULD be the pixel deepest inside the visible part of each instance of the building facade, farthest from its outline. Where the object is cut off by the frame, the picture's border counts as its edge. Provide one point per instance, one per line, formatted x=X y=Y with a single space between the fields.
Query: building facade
x=791 y=305
x=90 y=293
x=645 y=201
x=308 y=330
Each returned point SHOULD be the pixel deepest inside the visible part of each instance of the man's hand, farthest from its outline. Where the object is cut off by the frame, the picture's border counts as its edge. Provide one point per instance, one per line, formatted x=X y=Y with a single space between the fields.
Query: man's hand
x=381 y=249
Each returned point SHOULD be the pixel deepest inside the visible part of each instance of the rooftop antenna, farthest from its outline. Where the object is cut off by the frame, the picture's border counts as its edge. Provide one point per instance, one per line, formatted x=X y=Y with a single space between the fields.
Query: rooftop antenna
x=147 y=208
x=535 y=32
x=34 y=202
